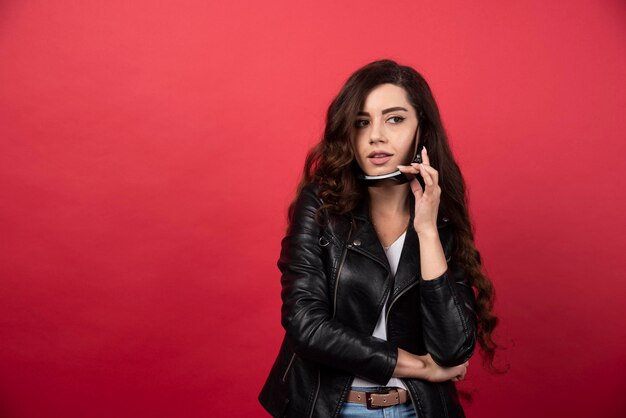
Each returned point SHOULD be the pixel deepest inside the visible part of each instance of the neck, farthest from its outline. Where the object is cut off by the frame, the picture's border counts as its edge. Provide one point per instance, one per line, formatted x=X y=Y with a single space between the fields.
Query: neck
x=390 y=200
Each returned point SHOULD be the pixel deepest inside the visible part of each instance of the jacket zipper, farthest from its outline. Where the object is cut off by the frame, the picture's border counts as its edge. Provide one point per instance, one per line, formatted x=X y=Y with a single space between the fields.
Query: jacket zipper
x=406 y=289
x=343 y=258
x=317 y=392
x=293 y=356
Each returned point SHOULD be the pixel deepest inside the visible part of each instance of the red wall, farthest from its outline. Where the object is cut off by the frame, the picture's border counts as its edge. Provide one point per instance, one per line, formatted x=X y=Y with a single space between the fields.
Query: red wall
x=149 y=151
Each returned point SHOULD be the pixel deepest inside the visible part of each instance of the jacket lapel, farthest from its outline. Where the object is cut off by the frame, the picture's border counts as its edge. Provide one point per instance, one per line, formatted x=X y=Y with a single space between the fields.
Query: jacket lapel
x=365 y=240
x=409 y=266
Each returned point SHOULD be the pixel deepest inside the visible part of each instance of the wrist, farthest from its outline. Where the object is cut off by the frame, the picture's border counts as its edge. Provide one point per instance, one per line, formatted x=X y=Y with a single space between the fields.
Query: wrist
x=430 y=232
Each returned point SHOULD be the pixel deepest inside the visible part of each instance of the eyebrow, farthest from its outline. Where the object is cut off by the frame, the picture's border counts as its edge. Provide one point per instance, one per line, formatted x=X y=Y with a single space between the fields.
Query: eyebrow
x=391 y=109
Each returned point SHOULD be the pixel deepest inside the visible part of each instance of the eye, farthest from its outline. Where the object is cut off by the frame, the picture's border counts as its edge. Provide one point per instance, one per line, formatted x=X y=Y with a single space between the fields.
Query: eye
x=397 y=119
x=361 y=123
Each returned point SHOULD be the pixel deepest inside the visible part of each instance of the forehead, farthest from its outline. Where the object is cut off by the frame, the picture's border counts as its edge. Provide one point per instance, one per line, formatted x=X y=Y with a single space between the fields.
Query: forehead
x=384 y=96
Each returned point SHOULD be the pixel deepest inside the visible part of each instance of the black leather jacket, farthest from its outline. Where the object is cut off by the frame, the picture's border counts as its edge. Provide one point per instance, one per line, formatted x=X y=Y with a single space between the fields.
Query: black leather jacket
x=335 y=281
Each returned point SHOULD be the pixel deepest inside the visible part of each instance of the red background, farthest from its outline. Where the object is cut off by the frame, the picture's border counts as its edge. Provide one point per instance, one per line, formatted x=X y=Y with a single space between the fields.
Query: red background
x=150 y=150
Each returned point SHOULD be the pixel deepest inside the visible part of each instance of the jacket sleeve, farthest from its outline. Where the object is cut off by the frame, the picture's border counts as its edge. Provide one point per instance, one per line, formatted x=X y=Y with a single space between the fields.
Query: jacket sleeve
x=306 y=310
x=449 y=319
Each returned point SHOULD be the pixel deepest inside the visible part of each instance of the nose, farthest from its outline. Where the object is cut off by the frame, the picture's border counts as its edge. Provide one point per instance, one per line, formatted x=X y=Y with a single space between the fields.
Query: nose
x=375 y=133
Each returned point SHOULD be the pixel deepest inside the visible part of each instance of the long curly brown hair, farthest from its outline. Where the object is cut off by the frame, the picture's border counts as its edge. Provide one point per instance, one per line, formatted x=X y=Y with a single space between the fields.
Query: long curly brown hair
x=331 y=164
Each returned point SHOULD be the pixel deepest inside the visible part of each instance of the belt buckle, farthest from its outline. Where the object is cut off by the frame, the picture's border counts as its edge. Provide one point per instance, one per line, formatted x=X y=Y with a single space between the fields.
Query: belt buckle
x=368 y=398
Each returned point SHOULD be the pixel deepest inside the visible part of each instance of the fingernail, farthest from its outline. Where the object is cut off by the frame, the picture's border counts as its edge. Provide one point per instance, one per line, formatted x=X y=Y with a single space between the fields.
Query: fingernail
x=425 y=150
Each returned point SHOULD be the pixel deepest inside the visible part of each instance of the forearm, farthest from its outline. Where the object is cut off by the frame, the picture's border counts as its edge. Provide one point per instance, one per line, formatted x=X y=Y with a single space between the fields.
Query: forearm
x=432 y=257
x=409 y=365
x=448 y=315
x=423 y=367
x=328 y=342
x=447 y=304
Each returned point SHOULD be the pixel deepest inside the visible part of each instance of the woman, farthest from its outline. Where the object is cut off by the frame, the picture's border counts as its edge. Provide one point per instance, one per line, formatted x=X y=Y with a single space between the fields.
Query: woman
x=377 y=279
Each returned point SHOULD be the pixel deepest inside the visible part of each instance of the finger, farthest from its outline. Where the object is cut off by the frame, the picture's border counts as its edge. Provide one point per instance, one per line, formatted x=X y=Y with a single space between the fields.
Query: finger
x=425 y=158
x=435 y=174
x=416 y=188
x=415 y=185
x=459 y=377
x=430 y=169
x=428 y=179
x=409 y=171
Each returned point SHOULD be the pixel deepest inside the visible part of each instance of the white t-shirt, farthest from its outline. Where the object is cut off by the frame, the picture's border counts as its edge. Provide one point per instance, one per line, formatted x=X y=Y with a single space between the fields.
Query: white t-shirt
x=393 y=255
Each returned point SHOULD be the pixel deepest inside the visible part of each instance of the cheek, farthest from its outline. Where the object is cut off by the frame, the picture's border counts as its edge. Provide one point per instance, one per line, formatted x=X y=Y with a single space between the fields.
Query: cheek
x=408 y=147
x=358 y=149
x=359 y=145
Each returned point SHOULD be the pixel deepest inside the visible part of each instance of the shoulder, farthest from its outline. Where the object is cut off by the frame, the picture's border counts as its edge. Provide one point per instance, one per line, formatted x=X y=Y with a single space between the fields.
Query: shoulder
x=310 y=191
x=306 y=205
x=308 y=198
x=311 y=214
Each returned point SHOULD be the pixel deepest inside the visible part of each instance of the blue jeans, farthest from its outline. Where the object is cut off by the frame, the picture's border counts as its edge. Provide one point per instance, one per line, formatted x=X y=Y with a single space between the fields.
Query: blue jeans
x=357 y=410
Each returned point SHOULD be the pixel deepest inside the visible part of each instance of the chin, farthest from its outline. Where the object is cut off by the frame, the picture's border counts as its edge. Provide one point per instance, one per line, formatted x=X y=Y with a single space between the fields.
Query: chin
x=382 y=170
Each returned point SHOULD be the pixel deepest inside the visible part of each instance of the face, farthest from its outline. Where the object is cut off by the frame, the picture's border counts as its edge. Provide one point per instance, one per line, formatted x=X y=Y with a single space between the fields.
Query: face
x=385 y=129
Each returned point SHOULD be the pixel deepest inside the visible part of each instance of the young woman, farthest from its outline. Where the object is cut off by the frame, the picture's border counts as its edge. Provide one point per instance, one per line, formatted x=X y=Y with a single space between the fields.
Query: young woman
x=378 y=275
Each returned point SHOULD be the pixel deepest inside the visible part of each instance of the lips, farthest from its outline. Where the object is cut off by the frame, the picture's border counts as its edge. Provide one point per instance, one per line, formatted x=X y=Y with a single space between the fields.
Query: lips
x=379 y=157
x=379 y=154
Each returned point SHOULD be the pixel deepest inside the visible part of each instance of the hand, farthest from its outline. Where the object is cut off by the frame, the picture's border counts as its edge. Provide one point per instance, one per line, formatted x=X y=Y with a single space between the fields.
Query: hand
x=427 y=200
x=436 y=373
x=424 y=367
